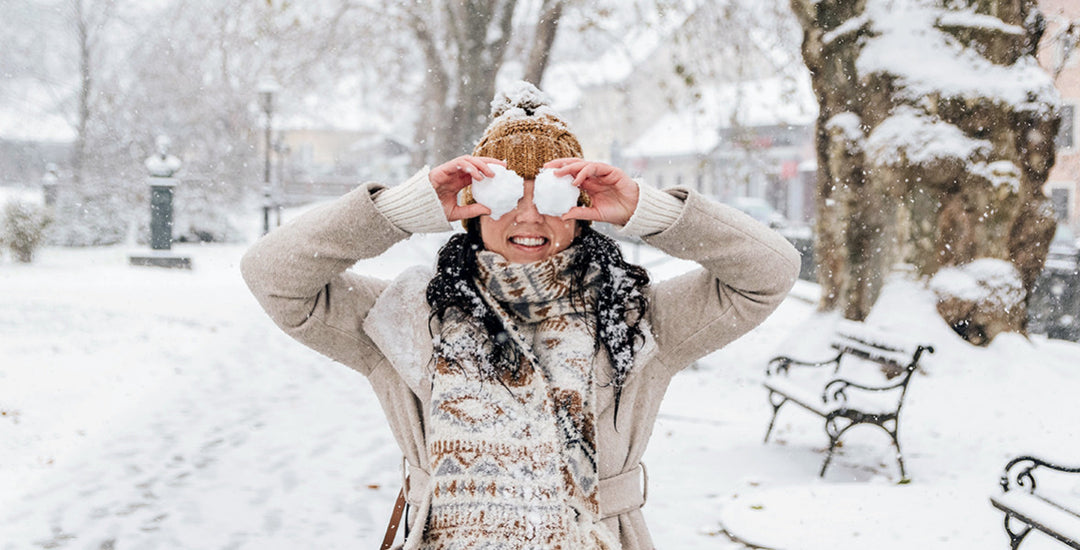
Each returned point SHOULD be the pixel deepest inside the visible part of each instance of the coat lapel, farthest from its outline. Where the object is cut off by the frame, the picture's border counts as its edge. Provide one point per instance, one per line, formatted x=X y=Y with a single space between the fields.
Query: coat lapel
x=398 y=325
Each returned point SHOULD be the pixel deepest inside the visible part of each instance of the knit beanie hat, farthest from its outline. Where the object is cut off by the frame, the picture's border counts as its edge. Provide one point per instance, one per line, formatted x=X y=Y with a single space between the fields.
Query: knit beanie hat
x=526 y=133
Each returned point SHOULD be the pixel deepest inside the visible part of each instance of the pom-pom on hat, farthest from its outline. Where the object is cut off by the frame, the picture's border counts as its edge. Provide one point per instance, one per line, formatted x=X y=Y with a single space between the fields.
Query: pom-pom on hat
x=526 y=133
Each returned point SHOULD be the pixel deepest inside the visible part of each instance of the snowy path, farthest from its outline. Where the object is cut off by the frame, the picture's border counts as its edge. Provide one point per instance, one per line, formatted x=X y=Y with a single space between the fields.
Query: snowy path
x=186 y=421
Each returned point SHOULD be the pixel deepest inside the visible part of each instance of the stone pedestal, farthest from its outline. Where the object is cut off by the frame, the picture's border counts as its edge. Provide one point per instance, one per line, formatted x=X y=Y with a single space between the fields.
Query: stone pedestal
x=161 y=259
x=161 y=214
x=49 y=186
x=161 y=166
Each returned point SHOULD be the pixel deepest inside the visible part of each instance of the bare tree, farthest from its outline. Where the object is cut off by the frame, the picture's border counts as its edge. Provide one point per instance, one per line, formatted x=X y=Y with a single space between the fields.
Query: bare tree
x=88 y=19
x=543 y=39
x=188 y=69
x=463 y=46
x=738 y=46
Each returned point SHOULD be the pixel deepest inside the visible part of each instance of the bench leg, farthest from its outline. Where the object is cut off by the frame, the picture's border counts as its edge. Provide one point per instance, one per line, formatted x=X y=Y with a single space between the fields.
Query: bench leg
x=896 y=444
x=828 y=458
x=834 y=434
x=775 y=410
x=1015 y=538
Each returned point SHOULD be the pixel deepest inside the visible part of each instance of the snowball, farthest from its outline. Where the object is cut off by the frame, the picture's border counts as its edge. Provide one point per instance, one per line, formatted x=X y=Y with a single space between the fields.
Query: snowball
x=554 y=195
x=500 y=193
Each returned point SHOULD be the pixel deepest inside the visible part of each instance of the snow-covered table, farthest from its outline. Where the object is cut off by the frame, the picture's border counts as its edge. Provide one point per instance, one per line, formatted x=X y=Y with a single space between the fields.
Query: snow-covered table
x=1053 y=511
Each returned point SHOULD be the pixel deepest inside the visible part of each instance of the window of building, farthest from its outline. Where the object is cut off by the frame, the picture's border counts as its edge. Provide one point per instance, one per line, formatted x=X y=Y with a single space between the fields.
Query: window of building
x=1059 y=197
x=1066 y=137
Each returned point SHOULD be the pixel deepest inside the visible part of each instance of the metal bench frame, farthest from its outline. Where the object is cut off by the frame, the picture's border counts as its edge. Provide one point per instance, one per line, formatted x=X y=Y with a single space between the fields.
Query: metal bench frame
x=853 y=340
x=1019 y=474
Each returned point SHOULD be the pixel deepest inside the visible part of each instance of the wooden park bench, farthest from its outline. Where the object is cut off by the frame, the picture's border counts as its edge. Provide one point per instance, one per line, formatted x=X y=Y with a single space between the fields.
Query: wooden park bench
x=866 y=384
x=1054 y=511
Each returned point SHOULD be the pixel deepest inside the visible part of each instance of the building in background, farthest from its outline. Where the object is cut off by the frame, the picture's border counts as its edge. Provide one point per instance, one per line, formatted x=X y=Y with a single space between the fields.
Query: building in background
x=316 y=164
x=745 y=143
x=1060 y=55
x=746 y=136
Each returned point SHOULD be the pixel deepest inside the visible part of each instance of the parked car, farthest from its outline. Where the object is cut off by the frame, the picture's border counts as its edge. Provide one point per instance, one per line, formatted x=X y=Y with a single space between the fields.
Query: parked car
x=1054 y=307
x=1064 y=254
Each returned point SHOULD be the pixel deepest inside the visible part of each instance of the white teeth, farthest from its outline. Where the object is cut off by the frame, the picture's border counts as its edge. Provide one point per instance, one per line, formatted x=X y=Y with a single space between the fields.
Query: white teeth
x=528 y=241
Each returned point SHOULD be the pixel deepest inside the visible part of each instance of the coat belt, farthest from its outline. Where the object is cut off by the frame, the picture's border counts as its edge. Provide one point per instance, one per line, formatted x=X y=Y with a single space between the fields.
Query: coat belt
x=618 y=494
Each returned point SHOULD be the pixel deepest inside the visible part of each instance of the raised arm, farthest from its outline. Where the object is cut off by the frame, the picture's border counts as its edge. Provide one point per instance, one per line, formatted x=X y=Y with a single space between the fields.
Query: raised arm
x=298 y=271
x=747 y=270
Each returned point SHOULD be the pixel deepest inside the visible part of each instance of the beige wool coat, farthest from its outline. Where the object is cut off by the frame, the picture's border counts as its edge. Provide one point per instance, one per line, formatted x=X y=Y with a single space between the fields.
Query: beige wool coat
x=299 y=275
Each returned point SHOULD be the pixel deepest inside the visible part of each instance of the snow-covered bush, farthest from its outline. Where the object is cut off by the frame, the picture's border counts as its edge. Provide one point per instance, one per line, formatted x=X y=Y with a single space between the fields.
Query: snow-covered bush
x=96 y=212
x=23 y=229
x=202 y=214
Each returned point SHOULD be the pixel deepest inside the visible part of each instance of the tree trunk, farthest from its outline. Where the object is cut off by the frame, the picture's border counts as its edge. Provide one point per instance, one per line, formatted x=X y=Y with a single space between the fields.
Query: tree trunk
x=546 y=28
x=932 y=169
x=464 y=54
x=82 y=37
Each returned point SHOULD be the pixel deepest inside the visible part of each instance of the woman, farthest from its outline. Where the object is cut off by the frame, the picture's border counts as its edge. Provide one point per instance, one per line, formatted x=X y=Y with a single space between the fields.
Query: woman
x=522 y=377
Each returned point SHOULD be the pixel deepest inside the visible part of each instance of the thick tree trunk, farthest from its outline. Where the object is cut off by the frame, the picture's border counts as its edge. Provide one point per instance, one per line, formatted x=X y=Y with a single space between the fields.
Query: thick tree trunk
x=916 y=168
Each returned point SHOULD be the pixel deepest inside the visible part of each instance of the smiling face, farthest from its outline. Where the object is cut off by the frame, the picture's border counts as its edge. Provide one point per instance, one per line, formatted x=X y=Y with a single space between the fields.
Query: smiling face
x=524 y=235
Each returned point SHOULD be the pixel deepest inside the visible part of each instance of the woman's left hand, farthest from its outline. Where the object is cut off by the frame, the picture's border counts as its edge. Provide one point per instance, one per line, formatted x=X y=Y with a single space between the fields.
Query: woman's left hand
x=614 y=195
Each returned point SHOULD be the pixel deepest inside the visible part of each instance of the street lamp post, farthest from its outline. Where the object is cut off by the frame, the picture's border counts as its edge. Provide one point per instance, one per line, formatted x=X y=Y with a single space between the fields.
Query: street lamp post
x=267 y=88
x=282 y=151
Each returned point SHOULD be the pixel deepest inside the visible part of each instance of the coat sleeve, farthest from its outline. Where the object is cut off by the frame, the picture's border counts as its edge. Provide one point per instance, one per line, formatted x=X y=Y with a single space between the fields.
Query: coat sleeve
x=298 y=273
x=746 y=271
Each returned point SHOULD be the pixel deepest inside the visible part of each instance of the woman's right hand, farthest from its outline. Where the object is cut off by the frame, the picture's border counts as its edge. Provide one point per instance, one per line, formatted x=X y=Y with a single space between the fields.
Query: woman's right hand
x=451 y=177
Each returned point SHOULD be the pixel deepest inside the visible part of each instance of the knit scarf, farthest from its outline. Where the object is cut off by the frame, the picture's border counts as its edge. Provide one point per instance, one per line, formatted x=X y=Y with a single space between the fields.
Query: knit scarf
x=514 y=462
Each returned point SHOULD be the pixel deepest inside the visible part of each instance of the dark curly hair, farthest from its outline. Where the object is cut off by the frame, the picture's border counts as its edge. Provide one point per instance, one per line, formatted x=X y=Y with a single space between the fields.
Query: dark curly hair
x=620 y=300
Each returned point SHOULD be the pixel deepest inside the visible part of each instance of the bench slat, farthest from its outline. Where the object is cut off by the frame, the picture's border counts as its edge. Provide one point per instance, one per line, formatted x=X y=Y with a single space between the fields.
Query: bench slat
x=877 y=337
x=900 y=358
x=1041 y=514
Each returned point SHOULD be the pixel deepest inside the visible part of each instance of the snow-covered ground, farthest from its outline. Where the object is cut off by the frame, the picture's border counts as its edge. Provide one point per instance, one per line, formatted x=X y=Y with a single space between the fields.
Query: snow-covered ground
x=143 y=408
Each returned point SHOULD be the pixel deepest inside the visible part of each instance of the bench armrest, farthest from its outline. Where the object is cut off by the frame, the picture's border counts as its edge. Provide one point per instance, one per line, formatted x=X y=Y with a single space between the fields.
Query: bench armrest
x=782 y=363
x=836 y=389
x=1019 y=472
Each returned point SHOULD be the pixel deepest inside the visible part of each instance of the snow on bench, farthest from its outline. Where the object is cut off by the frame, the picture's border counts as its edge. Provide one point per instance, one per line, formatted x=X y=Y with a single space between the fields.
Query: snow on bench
x=866 y=385
x=1056 y=513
